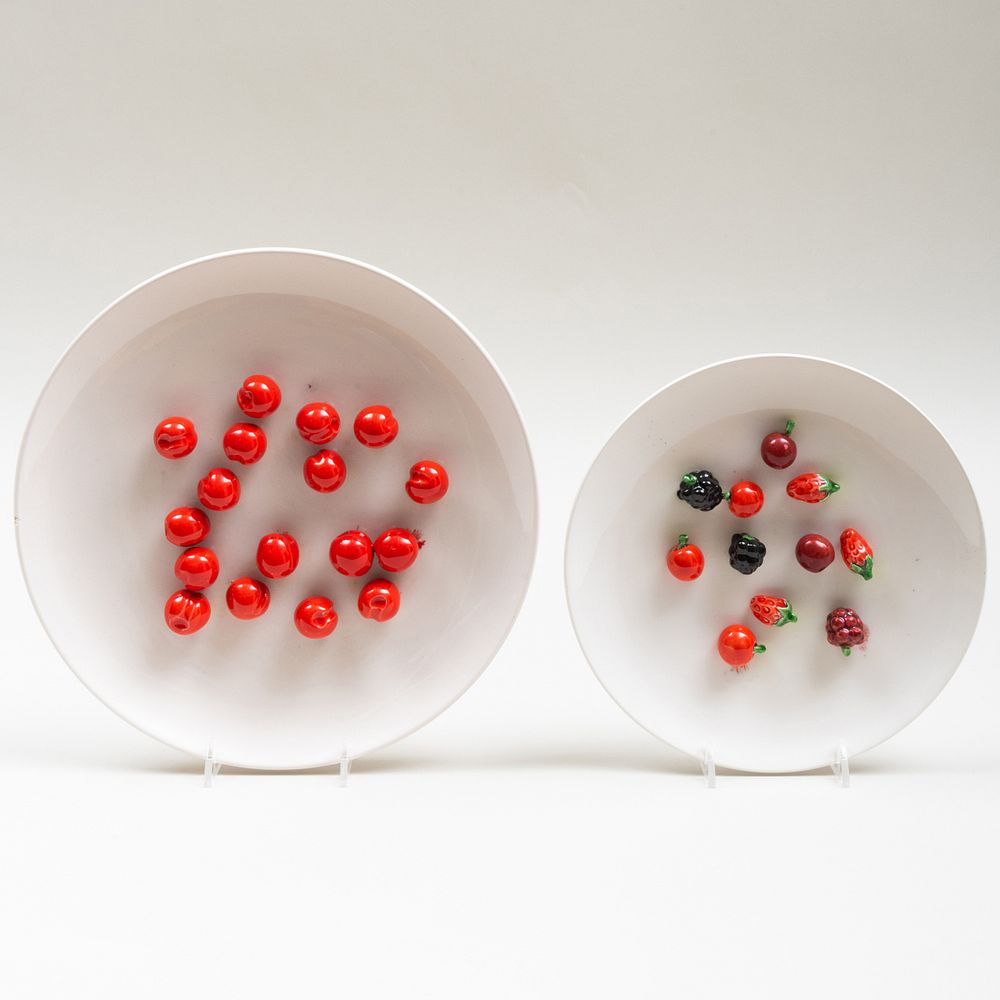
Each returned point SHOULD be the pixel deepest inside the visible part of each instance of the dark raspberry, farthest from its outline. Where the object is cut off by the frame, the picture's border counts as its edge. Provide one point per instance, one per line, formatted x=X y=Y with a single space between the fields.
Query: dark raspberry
x=746 y=553
x=701 y=490
x=844 y=628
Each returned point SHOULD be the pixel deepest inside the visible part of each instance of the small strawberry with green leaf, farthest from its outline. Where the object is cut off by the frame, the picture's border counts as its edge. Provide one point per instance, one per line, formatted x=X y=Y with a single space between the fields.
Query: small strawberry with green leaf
x=772 y=610
x=811 y=487
x=856 y=552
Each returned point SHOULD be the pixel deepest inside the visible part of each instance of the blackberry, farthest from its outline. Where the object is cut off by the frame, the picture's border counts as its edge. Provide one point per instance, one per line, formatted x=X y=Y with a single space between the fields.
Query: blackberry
x=746 y=553
x=844 y=628
x=701 y=490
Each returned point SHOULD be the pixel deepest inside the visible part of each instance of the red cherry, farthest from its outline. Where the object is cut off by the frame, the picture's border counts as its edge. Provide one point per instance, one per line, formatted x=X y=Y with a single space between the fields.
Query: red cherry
x=325 y=471
x=318 y=422
x=814 y=552
x=428 y=482
x=277 y=555
x=351 y=553
x=396 y=549
x=375 y=426
x=746 y=499
x=244 y=443
x=685 y=561
x=247 y=598
x=315 y=617
x=197 y=568
x=778 y=449
x=737 y=645
x=186 y=526
x=258 y=396
x=378 y=600
x=175 y=437
x=186 y=611
x=219 y=490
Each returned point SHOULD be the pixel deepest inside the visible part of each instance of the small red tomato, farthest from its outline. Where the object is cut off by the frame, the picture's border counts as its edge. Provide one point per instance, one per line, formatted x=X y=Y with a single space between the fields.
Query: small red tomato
x=197 y=568
x=258 y=396
x=378 y=600
x=219 y=490
x=375 y=426
x=175 y=437
x=778 y=449
x=737 y=645
x=814 y=552
x=811 y=487
x=277 y=555
x=325 y=471
x=428 y=482
x=746 y=499
x=396 y=549
x=186 y=611
x=685 y=561
x=351 y=553
x=315 y=617
x=247 y=598
x=244 y=443
x=318 y=422
x=186 y=526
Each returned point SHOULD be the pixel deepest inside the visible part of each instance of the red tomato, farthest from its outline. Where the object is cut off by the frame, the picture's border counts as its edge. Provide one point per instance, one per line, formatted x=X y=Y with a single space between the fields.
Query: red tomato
x=375 y=426
x=379 y=600
x=324 y=472
x=244 y=443
x=396 y=549
x=737 y=644
x=315 y=617
x=685 y=561
x=175 y=437
x=219 y=490
x=258 y=396
x=318 y=422
x=351 y=553
x=428 y=482
x=277 y=555
x=186 y=526
x=746 y=499
x=247 y=598
x=197 y=568
x=186 y=611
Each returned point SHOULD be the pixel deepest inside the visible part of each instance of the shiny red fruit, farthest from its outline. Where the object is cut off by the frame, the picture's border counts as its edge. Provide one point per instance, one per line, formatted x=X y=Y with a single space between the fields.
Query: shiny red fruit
x=277 y=555
x=746 y=499
x=737 y=645
x=685 y=561
x=318 y=423
x=175 y=437
x=375 y=426
x=325 y=471
x=197 y=568
x=351 y=553
x=186 y=611
x=396 y=549
x=186 y=526
x=778 y=449
x=244 y=443
x=379 y=600
x=247 y=598
x=428 y=482
x=815 y=552
x=219 y=490
x=315 y=617
x=258 y=396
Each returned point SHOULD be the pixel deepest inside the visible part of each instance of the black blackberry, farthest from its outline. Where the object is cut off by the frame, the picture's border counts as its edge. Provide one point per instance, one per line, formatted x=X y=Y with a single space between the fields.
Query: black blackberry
x=746 y=553
x=701 y=490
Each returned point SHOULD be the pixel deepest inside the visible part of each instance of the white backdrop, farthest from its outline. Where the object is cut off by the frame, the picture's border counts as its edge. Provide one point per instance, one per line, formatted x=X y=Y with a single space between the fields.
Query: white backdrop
x=607 y=195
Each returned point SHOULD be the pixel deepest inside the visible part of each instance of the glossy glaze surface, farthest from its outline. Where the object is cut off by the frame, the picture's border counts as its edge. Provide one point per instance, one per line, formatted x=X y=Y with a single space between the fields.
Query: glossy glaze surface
x=685 y=561
x=379 y=600
x=376 y=426
x=259 y=396
x=186 y=526
x=396 y=549
x=428 y=482
x=778 y=450
x=351 y=553
x=746 y=499
x=814 y=552
x=277 y=555
x=315 y=617
x=247 y=598
x=737 y=645
x=197 y=568
x=175 y=437
x=244 y=443
x=219 y=489
x=186 y=611
x=324 y=472
x=318 y=423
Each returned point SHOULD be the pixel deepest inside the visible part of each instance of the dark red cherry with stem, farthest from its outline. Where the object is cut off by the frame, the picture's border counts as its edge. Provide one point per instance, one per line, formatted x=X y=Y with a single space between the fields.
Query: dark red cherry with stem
x=244 y=443
x=375 y=426
x=428 y=482
x=685 y=561
x=737 y=645
x=277 y=555
x=219 y=489
x=814 y=552
x=186 y=526
x=318 y=423
x=778 y=449
x=746 y=499
x=197 y=568
x=351 y=553
x=378 y=600
x=247 y=598
x=325 y=471
x=258 y=396
x=315 y=617
x=396 y=549
x=175 y=437
x=186 y=611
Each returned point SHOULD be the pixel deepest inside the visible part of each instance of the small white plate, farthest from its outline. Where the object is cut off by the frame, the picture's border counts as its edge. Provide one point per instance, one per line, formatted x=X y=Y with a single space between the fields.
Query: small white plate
x=651 y=639
x=92 y=493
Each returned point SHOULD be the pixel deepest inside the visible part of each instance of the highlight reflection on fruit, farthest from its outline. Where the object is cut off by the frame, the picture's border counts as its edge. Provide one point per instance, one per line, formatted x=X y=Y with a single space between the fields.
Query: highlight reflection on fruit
x=175 y=437
x=685 y=561
x=737 y=646
x=428 y=482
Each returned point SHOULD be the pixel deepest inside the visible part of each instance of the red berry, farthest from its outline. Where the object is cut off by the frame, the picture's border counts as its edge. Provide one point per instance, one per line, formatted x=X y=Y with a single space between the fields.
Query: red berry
x=315 y=617
x=325 y=471
x=778 y=449
x=814 y=552
x=772 y=610
x=856 y=552
x=318 y=422
x=351 y=553
x=428 y=482
x=746 y=499
x=375 y=426
x=396 y=549
x=197 y=568
x=379 y=600
x=277 y=555
x=186 y=526
x=737 y=645
x=685 y=561
x=247 y=598
x=811 y=487
x=258 y=396
x=175 y=437
x=244 y=443
x=844 y=628
x=186 y=611
x=219 y=490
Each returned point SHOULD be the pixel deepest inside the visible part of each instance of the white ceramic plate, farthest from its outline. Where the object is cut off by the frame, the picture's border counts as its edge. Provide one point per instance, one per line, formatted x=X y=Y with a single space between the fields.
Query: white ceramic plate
x=651 y=639
x=92 y=494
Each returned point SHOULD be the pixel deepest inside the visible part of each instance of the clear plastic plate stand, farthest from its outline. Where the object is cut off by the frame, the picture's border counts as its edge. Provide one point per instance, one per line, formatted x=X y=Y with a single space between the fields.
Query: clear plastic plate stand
x=840 y=766
x=213 y=767
x=708 y=768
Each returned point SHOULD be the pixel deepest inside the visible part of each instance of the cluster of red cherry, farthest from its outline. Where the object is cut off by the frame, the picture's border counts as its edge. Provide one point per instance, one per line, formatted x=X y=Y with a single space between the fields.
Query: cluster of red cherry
x=352 y=553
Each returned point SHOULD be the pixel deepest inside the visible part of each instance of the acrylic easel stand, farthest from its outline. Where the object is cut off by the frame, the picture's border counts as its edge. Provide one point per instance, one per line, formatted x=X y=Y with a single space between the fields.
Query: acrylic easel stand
x=213 y=767
x=840 y=765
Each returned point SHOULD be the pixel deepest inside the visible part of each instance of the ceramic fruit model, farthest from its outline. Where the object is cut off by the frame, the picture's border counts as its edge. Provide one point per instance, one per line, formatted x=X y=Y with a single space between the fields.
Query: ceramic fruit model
x=814 y=552
x=318 y=423
x=352 y=553
x=856 y=552
x=844 y=628
x=277 y=555
x=378 y=600
x=772 y=610
x=259 y=396
x=685 y=561
x=175 y=437
x=315 y=617
x=737 y=645
x=811 y=487
x=197 y=568
x=396 y=549
x=325 y=471
x=778 y=449
x=376 y=426
x=700 y=490
x=186 y=611
x=186 y=526
x=746 y=553
x=219 y=489
x=745 y=499
x=247 y=598
x=428 y=482
x=244 y=443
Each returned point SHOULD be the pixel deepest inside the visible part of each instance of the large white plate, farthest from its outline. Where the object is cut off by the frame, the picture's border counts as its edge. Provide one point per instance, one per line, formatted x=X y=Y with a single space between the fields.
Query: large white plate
x=92 y=493
x=651 y=639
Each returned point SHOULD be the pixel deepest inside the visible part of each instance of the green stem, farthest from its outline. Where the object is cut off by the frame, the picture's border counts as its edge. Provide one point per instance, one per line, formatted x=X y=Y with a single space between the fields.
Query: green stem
x=682 y=540
x=846 y=650
x=830 y=487
x=758 y=648
x=790 y=426
x=689 y=480
x=726 y=495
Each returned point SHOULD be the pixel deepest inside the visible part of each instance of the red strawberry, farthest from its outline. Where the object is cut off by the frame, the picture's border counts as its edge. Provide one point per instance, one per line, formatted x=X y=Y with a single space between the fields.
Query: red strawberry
x=844 y=628
x=811 y=487
x=856 y=552
x=772 y=610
